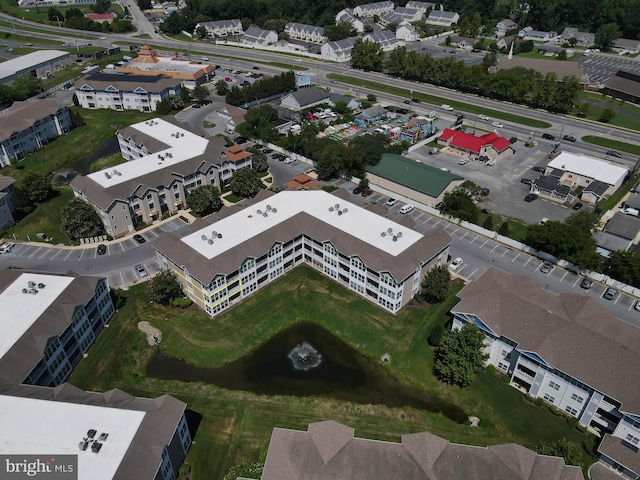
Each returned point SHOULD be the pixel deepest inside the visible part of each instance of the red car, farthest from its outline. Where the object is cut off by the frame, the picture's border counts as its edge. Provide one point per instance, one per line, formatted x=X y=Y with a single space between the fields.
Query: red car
x=366 y=192
x=228 y=80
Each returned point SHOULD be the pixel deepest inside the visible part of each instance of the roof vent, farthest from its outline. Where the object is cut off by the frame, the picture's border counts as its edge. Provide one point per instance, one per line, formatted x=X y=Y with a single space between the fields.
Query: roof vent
x=83 y=445
x=95 y=447
x=41 y=285
x=91 y=433
x=31 y=284
x=103 y=437
x=106 y=174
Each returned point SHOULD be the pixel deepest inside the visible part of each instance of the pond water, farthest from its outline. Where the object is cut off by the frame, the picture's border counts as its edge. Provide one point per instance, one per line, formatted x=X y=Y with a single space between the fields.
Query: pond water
x=83 y=166
x=306 y=360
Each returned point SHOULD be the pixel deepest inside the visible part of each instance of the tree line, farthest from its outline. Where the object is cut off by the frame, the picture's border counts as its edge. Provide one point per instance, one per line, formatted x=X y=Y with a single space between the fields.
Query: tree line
x=74 y=18
x=23 y=87
x=263 y=88
x=517 y=85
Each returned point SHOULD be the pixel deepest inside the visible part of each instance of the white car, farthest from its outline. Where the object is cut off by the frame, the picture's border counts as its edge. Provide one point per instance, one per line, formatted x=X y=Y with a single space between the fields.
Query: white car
x=206 y=59
x=497 y=125
x=289 y=160
x=7 y=247
x=391 y=202
x=455 y=264
x=483 y=117
x=446 y=107
x=463 y=161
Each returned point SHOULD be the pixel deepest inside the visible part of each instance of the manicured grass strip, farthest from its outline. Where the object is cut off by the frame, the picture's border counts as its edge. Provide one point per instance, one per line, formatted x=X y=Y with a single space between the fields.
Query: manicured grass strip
x=236 y=425
x=4 y=23
x=612 y=144
x=466 y=107
x=612 y=201
x=598 y=103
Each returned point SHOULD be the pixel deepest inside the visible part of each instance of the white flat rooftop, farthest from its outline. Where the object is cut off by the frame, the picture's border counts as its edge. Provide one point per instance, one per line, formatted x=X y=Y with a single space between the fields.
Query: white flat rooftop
x=183 y=145
x=355 y=221
x=29 y=60
x=40 y=427
x=20 y=310
x=600 y=170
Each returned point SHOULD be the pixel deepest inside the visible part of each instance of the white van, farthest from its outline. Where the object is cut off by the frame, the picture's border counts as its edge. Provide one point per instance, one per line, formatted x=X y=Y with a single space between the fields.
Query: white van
x=406 y=208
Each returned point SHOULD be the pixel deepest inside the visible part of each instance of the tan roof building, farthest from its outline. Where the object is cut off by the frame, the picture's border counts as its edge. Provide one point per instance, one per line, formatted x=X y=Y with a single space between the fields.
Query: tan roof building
x=544 y=66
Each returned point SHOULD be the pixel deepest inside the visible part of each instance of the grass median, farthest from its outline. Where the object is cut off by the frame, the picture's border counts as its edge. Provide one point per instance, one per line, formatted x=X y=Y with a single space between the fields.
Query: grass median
x=612 y=144
x=435 y=100
x=237 y=424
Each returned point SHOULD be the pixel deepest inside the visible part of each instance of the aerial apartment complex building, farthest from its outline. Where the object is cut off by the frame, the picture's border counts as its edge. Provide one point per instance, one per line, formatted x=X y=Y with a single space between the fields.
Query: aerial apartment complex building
x=380 y=260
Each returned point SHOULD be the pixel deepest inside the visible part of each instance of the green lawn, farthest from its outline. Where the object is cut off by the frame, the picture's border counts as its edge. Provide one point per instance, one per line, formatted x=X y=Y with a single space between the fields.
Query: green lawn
x=612 y=144
x=611 y=202
x=434 y=100
x=601 y=103
x=24 y=28
x=236 y=425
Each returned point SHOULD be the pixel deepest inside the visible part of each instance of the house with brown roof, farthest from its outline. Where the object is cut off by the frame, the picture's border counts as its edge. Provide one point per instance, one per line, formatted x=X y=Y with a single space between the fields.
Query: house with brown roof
x=566 y=349
x=543 y=66
x=624 y=86
x=27 y=126
x=372 y=256
x=129 y=91
x=148 y=62
x=165 y=161
x=329 y=450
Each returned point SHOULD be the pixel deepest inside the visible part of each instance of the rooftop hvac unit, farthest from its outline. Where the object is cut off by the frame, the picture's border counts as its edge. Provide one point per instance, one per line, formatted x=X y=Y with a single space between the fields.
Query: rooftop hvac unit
x=24 y=290
x=106 y=174
x=31 y=284
x=91 y=433
x=41 y=285
x=95 y=447
x=103 y=437
x=83 y=445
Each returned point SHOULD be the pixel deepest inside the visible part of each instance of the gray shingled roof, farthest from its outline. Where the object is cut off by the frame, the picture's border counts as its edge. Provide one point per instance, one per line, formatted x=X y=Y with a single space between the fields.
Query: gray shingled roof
x=610 y=242
x=551 y=184
x=144 y=456
x=623 y=452
x=307 y=96
x=329 y=451
x=128 y=82
x=22 y=115
x=571 y=332
x=625 y=226
x=6 y=181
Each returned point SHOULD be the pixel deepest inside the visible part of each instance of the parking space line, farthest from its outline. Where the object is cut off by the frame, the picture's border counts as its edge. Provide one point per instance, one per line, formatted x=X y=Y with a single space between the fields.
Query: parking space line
x=81 y=254
x=36 y=251
x=437 y=223
x=565 y=274
x=616 y=300
x=121 y=246
x=465 y=234
x=576 y=282
x=497 y=245
x=485 y=242
x=474 y=239
x=473 y=273
x=68 y=254
x=57 y=253
x=527 y=262
x=514 y=258
x=504 y=253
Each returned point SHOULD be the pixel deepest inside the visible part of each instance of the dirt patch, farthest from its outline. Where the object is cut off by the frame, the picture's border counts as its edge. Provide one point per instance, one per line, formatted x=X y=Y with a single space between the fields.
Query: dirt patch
x=153 y=334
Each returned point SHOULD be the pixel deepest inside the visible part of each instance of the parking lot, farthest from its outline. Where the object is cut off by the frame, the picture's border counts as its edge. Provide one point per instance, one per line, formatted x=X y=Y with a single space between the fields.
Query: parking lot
x=602 y=67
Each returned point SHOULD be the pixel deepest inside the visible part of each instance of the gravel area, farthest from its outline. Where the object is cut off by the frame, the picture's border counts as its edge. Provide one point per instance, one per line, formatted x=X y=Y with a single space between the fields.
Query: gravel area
x=153 y=334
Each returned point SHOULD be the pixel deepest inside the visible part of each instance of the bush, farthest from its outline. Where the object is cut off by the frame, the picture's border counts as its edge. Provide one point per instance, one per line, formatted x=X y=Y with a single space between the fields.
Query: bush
x=506 y=378
x=573 y=422
x=491 y=370
x=539 y=401
x=185 y=468
x=436 y=335
x=181 y=302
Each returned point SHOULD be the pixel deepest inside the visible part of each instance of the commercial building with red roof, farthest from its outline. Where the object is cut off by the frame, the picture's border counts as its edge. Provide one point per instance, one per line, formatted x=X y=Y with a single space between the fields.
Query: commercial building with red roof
x=101 y=17
x=490 y=146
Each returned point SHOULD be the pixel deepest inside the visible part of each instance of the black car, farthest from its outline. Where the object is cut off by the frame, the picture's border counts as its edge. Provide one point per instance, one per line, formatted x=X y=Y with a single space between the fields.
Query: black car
x=256 y=68
x=569 y=138
x=408 y=102
x=538 y=169
x=577 y=206
x=358 y=190
x=548 y=136
x=416 y=100
x=402 y=111
x=513 y=140
x=102 y=249
x=239 y=140
x=531 y=197
x=139 y=238
x=526 y=181
x=267 y=151
x=613 y=153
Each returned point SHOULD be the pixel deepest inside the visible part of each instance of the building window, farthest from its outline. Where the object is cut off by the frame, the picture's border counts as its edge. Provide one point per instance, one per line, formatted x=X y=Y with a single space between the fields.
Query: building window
x=630 y=438
x=549 y=398
x=577 y=398
x=555 y=386
x=571 y=410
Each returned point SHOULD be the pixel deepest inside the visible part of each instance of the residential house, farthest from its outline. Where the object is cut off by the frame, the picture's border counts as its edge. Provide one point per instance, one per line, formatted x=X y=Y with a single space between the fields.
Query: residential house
x=304 y=98
x=407 y=33
x=128 y=91
x=166 y=161
x=7 y=202
x=624 y=86
x=371 y=9
x=487 y=147
x=351 y=103
x=583 y=39
x=550 y=186
x=424 y=7
x=259 y=37
x=416 y=129
x=386 y=39
x=380 y=260
x=627 y=45
x=330 y=450
x=408 y=14
x=27 y=126
x=391 y=18
x=412 y=180
x=440 y=17
x=346 y=16
x=222 y=28
x=566 y=349
x=624 y=226
x=465 y=43
x=148 y=62
x=528 y=33
x=338 y=51
x=505 y=26
x=371 y=115
x=305 y=33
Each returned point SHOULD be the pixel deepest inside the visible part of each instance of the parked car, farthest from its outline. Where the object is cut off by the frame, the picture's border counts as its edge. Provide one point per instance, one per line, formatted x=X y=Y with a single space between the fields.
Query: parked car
x=434 y=150
x=610 y=293
x=7 y=247
x=408 y=102
x=206 y=59
x=548 y=136
x=513 y=140
x=586 y=283
x=139 y=238
x=267 y=151
x=416 y=100
x=526 y=181
x=406 y=208
x=569 y=138
x=239 y=140
x=455 y=264
x=546 y=267
x=357 y=190
x=613 y=153
x=446 y=107
x=538 y=169
x=289 y=160
x=228 y=80
x=195 y=105
x=531 y=197
x=141 y=270
x=497 y=125
x=391 y=202
x=636 y=307
x=255 y=67
x=463 y=161
x=366 y=192
x=483 y=117
x=102 y=249
x=402 y=111
x=577 y=206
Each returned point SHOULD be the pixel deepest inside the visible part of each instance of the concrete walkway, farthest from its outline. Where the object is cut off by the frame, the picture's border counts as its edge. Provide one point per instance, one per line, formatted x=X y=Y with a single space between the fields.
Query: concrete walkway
x=599 y=471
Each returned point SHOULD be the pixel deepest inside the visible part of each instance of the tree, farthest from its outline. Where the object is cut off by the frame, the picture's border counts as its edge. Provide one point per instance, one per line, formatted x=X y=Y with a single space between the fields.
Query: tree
x=570 y=451
x=144 y=4
x=459 y=203
x=163 y=107
x=504 y=229
x=364 y=183
x=435 y=286
x=371 y=97
x=101 y=6
x=54 y=15
x=488 y=223
x=367 y=55
x=35 y=187
x=204 y=200
x=525 y=47
x=606 y=35
x=184 y=95
x=460 y=355
x=164 y=287
x=202 y=32
x=200 y=93
x=623 y=265
x=573 y=41
x=447 y=41
x=222 y=88
x=585 y=220
x=562 y=55
x=340 y=31
x=245 y=182
x=26 y=86
x=259 y=160
x=79 y=220
x=607 y=115
x=76 y=117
